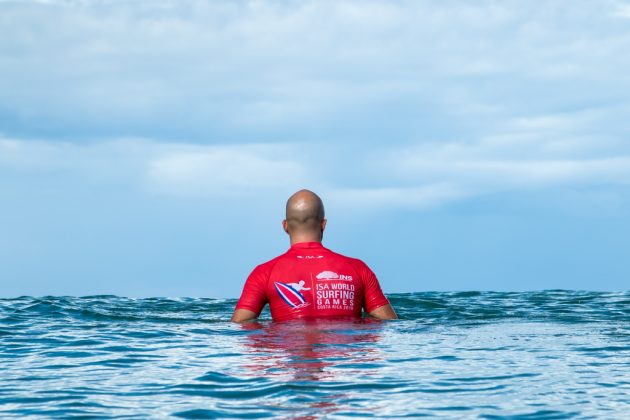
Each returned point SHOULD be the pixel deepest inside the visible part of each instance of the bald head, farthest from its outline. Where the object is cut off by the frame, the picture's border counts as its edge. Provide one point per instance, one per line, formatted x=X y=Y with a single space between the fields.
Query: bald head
x=305 y=214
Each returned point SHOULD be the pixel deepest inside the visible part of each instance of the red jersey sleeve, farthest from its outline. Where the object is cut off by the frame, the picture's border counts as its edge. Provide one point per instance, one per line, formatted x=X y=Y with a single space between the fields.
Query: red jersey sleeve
x=254 y=296
x=373 y=295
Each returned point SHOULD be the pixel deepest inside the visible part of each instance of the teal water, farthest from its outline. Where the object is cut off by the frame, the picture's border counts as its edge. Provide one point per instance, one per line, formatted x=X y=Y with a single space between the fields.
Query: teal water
x=552 y=354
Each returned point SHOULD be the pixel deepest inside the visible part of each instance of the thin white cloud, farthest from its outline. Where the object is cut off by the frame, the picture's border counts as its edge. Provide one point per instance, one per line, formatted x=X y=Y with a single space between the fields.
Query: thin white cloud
x=202 y=170
x=387 y=198
x=550 y=151
x=513 y=173
x=157 y=167
x=623 y=9
x=430 y=179
x=420 y=177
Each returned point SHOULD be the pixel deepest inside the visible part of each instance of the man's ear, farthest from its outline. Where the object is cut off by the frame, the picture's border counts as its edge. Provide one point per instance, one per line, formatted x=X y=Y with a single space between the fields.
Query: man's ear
x=285 y=226
x=323 y=224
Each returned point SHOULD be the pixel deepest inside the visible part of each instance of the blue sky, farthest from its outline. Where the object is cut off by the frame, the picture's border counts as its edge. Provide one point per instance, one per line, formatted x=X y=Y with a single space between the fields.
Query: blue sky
x=147 y=147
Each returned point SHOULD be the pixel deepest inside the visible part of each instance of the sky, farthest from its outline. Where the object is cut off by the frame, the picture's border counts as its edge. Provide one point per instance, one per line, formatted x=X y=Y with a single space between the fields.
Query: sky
x=147 y=147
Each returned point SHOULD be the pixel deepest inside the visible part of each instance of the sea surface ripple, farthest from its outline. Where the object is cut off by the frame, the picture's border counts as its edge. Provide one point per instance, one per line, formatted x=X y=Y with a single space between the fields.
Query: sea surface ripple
x=552 y=354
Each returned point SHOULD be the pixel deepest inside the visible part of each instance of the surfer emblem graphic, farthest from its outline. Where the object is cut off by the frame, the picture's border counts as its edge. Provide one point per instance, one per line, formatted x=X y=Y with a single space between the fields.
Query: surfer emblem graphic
x=290 y=294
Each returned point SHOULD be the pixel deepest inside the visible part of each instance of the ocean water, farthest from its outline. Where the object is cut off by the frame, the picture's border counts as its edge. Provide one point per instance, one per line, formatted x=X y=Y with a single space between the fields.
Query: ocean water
x=552 y=354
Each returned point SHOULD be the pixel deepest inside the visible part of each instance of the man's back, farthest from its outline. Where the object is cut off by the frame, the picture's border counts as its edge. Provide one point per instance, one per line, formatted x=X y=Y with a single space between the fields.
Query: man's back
x=311 y=281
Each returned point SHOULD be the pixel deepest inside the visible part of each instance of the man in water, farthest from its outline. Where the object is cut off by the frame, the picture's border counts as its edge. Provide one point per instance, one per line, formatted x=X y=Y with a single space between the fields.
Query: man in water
x=310 y=281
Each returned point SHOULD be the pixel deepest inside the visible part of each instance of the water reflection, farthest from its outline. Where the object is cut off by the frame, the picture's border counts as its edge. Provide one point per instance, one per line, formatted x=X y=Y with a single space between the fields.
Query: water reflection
x=314 y=357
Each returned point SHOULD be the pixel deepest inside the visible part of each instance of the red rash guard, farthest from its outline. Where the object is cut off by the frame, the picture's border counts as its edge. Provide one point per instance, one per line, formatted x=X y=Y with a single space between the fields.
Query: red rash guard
x=310 y=281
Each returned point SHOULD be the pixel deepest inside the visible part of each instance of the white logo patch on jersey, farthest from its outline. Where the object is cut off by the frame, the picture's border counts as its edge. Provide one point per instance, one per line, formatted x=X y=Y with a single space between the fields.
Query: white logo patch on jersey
x=331 y=275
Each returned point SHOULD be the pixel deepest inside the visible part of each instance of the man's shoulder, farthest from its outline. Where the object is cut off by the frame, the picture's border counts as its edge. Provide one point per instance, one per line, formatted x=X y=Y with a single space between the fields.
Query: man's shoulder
x=356 y=262
x=268 y=265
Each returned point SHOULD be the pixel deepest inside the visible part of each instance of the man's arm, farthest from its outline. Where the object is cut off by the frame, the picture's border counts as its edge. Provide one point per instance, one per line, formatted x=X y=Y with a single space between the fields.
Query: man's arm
x=253 y=298
x=242 y=315
x=384 y=312
x=375 y=304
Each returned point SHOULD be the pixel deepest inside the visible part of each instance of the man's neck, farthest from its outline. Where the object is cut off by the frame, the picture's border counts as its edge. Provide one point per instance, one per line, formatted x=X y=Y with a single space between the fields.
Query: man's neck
x=300 y=239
